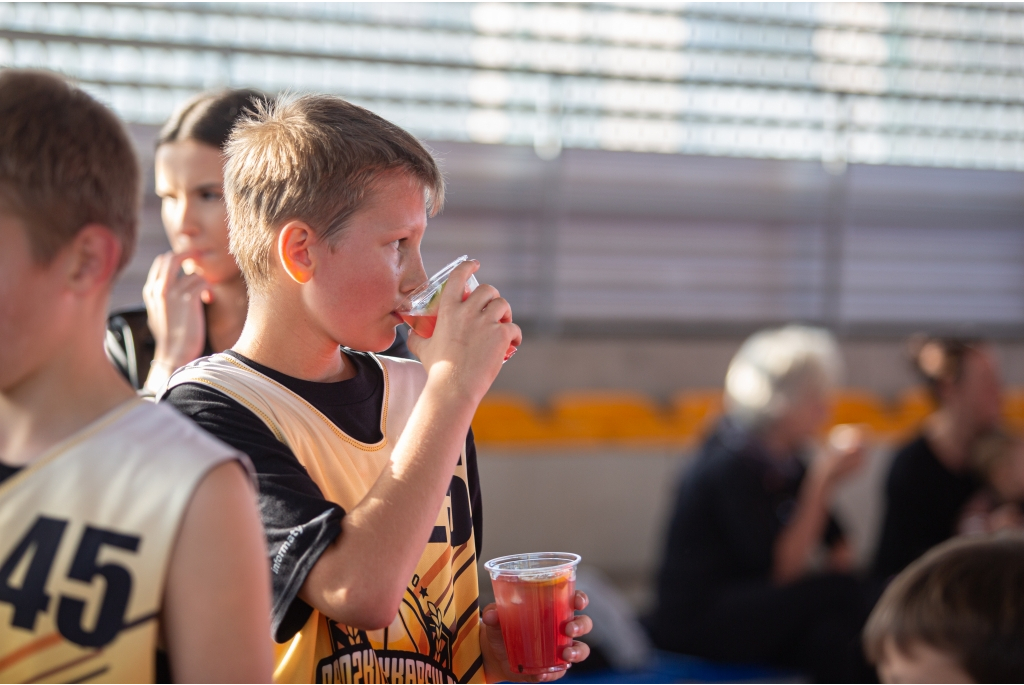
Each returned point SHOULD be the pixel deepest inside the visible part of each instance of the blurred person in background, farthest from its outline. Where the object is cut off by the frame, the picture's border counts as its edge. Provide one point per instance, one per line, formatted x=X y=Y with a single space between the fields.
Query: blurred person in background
x=998 y=459
x=195 y=296
x=932 y=479
x=756 y=569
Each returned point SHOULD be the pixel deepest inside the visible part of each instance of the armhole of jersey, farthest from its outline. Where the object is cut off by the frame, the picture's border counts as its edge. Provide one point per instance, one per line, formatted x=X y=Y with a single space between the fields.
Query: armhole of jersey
x=278 y=433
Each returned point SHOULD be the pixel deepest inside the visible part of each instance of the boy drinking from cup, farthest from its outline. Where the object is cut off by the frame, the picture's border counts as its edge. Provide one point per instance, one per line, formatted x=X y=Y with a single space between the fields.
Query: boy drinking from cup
x=124 y=529
x=367 y=469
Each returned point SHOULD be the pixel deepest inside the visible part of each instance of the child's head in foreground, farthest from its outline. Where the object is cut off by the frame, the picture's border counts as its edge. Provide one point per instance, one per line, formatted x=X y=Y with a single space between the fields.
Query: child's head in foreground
x=69 y=196
x=954 y=615
x=328 y=203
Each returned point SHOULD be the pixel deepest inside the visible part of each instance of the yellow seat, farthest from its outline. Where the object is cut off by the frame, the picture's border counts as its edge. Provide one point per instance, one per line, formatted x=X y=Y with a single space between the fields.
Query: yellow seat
x=694 y=412
x=1013 y=410
x=509 y=419
x=589 y=417
x=860 y=406
x=914 y=407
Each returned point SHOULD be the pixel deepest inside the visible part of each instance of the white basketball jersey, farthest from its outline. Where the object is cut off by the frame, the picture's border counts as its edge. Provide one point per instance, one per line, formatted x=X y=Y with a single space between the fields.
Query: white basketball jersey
x=86 y=534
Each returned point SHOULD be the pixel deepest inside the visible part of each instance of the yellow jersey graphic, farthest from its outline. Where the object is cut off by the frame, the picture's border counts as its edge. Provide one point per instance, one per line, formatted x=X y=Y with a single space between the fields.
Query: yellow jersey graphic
x=435 y=636
x=86 y=533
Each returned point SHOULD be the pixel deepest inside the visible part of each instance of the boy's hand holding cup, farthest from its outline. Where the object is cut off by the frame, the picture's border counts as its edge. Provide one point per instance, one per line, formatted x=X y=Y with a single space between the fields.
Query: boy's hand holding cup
x=463 y=328
x=528 y=634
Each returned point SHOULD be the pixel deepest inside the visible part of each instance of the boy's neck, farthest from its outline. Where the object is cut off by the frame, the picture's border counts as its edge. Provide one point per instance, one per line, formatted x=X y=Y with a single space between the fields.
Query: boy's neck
x=225 y=315
x=282 y=338
x=69 y=391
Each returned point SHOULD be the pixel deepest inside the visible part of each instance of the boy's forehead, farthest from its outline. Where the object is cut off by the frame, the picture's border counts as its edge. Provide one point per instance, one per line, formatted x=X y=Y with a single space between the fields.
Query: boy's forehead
x=398 y=194
x=392 y=181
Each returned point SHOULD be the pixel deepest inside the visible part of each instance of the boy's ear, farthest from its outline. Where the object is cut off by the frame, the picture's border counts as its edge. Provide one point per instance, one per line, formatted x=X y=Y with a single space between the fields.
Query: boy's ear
x=92 y=258
x=293 y=249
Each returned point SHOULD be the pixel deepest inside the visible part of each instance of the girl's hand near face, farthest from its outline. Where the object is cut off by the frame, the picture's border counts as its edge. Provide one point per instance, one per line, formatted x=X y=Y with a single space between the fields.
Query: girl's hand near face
x=174 y=305
x=471 y=337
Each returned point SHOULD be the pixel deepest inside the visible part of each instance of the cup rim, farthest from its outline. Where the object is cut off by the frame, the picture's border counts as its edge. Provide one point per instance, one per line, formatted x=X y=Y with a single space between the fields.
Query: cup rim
x=421 y=296
x=568 y=559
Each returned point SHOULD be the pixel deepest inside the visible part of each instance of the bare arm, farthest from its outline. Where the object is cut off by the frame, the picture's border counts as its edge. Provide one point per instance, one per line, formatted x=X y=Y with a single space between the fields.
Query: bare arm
x=216 y=612
x=360 y=579
x=801 y=536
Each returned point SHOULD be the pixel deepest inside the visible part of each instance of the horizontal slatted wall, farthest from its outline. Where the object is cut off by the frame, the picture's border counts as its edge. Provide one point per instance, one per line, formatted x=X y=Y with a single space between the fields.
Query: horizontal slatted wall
x=641 y=242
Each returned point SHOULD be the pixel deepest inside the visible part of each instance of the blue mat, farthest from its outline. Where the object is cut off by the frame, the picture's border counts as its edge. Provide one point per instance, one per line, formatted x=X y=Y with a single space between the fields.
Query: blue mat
x=667 y=667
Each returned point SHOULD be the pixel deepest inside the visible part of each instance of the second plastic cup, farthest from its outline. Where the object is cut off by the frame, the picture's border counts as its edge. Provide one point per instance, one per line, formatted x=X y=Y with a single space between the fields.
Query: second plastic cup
x=419 y=310
x=535 y=594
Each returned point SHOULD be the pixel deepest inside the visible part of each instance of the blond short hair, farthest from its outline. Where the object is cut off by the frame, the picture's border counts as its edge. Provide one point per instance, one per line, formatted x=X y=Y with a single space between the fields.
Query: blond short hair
x=773 y=366
x=65 y=162
x=315 y=159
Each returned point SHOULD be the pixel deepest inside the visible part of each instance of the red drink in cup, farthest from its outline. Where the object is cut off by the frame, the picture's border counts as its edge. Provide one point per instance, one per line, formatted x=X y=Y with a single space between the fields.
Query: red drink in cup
x=423 y=324
x=535 y=594
x=419 y=310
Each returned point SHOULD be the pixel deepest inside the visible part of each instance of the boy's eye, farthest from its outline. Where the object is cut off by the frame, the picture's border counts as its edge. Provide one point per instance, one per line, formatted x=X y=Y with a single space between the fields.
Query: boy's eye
x=210 y=195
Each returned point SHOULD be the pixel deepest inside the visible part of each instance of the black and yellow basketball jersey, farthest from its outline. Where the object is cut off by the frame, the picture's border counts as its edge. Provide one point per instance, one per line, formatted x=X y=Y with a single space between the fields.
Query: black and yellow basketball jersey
x=86 y=534
x=435 y=635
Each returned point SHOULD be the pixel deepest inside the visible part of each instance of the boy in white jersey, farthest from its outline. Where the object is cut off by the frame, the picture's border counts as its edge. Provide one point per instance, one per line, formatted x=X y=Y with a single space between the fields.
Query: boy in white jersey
x=124 y=529
x=366 y=465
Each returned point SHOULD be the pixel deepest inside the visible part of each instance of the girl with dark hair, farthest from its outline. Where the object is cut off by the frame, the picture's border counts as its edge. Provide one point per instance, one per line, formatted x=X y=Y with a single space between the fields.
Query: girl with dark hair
x=195 y=295
x=931 y=478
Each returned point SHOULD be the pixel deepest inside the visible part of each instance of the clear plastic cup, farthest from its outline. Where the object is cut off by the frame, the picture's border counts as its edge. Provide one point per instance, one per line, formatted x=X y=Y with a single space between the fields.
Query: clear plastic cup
x=535 y=594
x=419 y=309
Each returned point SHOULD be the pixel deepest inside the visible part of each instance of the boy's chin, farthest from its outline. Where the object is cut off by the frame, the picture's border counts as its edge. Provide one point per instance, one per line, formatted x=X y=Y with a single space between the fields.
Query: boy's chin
x=375 y=344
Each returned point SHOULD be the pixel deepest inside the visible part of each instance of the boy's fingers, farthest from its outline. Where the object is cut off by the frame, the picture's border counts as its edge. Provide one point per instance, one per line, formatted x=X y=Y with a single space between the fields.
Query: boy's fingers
x=577 y=653
x=500 y=309
x=581 y=600
x=490 y=615
x=414 y=341
x=456 y=284
x=517 y=340
x=581 y=625
x=484 y=295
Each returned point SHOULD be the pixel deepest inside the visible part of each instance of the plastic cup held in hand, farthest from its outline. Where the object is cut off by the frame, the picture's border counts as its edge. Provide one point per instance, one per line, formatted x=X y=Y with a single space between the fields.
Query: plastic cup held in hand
x=419 y=310
x=536 y=597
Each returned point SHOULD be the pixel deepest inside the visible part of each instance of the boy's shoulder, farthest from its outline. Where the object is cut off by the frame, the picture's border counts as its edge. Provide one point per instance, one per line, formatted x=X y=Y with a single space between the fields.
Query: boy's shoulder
x=141 y=437
x=162 y=430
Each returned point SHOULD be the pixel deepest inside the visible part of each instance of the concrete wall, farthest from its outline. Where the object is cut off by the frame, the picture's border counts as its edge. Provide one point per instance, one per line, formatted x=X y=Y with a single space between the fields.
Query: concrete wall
x=612 y=508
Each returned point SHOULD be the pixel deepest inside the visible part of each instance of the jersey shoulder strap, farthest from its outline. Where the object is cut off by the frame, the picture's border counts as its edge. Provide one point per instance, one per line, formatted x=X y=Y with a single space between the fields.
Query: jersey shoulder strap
x=343 y=467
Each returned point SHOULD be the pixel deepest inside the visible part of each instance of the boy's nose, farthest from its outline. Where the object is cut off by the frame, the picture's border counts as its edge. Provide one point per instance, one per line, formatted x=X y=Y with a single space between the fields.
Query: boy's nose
x=415 y=276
